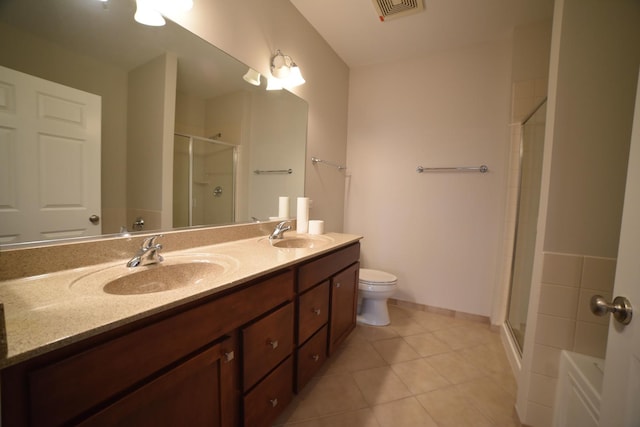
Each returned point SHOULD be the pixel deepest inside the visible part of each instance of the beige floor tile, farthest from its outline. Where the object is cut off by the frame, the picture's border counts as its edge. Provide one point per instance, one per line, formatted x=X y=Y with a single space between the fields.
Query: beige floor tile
x=396 y=312
x=449 y=407
x=391 y=377
x=432 y=321
x=380 y=385
x=405 y=326
x=454 y=368
x=486 y=358
x=374 y=333
x=403 y=413
x=353 y=357
x=419 y=376
x=460 y=337
x=491 y=400
x=395 y=350
x=361 y=418
x=427 y=344
x=323 y=396
x=507 y=381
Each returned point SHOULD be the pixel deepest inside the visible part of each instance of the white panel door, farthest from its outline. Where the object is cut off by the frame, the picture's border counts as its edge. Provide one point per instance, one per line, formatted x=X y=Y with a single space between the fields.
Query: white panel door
x=49 y=159
x=620 y=404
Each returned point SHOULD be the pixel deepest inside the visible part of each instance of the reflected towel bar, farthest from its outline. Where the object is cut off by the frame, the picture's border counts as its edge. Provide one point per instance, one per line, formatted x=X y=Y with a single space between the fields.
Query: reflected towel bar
x=481 y=169
x=277 y=171
x=316 y=160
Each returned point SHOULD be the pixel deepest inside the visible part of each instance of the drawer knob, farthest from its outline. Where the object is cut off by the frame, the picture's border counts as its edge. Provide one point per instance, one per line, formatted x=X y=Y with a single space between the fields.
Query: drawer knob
x=337 y=284
x=315 y=357
x=273 y=344
x=274 y=402
x=316 y=311
x=229 y=356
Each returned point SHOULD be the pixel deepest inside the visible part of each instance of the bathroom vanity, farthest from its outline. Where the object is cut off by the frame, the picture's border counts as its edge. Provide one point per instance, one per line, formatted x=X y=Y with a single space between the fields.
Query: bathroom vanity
x=231 y=354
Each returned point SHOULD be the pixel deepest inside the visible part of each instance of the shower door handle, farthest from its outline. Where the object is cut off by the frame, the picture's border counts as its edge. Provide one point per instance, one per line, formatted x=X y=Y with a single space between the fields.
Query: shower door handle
x=620 y=308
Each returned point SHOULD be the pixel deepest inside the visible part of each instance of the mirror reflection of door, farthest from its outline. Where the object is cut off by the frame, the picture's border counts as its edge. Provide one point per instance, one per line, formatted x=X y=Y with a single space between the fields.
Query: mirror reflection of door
x=50 y=160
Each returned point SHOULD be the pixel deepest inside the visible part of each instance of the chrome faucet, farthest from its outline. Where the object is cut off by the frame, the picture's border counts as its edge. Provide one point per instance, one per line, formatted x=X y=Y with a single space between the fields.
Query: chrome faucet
x=149 y=253
x=278 y=232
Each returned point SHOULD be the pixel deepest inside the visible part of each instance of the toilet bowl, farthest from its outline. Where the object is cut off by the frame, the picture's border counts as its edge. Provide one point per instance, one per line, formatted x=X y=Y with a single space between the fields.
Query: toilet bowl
x=375 y=287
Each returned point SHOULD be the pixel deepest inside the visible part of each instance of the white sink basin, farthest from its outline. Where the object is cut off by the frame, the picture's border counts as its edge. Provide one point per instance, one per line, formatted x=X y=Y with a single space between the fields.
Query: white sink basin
x=174 y=272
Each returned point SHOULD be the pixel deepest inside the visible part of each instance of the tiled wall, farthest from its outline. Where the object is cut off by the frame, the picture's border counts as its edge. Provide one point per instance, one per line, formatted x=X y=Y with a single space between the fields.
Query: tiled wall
x=564 y=321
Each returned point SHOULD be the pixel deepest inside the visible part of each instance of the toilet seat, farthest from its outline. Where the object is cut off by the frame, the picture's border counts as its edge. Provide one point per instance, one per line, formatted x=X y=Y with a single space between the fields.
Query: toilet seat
x=371 y=277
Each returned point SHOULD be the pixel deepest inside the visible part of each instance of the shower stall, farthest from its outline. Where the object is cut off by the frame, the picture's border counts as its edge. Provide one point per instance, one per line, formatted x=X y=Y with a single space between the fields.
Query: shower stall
x=204 y=175
x=530 y=176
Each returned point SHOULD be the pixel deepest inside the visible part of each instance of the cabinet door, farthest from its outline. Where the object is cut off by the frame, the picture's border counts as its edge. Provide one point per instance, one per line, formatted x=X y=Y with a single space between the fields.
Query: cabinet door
x=189 y=394
x=344 y=301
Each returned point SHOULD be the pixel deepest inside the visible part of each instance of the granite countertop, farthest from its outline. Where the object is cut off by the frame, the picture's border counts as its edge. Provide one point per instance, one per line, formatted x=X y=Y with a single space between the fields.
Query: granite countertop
x=49 y=311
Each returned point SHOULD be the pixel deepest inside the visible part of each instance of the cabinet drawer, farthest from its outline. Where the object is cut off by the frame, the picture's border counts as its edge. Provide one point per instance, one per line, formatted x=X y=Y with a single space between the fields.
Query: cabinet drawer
x=265 y=402
x=313 y=311
x=311 y=356
x=266 y=343
x=321 y=269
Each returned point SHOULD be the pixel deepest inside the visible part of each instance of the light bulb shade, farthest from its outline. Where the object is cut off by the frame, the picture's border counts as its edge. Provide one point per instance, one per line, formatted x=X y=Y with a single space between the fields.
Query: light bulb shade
x=295 y=77
x=252 y=76
x=147 y=15
x=274 y=84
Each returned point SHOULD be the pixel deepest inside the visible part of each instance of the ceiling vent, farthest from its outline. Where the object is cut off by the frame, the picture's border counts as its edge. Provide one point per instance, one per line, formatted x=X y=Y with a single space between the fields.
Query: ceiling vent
x=388 y=9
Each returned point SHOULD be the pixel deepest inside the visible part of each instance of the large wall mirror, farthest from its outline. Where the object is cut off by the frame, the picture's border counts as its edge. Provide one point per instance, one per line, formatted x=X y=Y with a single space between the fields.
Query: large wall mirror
x=106 y=125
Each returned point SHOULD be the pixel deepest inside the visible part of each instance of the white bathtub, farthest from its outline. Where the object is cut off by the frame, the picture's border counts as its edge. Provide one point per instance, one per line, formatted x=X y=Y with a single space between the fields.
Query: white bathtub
x=578 y=393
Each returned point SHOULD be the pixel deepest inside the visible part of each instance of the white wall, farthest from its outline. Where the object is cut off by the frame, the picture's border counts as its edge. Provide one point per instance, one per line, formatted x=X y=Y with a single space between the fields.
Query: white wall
x=440 y=233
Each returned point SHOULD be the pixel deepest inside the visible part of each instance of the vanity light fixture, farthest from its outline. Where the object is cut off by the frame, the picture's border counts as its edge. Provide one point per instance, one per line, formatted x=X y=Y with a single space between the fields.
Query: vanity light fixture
x=149 y=12
x=252 y=76
x=285 y=71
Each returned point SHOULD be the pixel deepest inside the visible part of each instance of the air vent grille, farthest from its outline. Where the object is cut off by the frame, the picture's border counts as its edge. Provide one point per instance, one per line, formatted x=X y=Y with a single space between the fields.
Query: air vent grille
x=395 y=8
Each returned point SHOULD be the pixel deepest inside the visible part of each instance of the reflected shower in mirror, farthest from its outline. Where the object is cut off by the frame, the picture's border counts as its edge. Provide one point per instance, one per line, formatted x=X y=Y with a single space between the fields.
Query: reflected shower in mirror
x=531 y=156
x=151 y=83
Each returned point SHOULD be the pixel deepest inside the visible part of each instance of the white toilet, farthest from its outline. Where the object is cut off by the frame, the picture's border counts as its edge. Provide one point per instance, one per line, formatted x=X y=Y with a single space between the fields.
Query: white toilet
x=375 y=288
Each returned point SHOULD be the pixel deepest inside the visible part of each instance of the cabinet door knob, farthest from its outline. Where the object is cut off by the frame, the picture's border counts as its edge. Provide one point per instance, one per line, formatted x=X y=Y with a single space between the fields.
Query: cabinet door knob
x=274 y=402
x=315 y=357
x=229 y=356
x=316 y=311
x=273 y=344
x=337 y=284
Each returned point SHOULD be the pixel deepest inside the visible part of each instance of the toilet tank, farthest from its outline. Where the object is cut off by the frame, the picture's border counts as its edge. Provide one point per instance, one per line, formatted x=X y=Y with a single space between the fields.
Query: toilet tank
x=578 y=392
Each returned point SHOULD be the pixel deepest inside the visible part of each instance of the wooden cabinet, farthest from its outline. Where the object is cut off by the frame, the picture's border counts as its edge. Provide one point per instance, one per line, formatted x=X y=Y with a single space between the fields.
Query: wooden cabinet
x=226 y=360
x=327 y=301
x=192 y=393
x=344 y=301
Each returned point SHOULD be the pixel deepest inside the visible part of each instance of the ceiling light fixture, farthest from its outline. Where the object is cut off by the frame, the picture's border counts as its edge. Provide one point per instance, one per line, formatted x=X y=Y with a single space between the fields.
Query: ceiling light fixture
x=285 y=71
x=149 y=12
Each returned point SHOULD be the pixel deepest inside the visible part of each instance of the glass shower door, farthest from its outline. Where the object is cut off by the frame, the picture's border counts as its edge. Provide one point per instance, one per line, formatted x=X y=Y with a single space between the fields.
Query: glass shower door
x=531 y=154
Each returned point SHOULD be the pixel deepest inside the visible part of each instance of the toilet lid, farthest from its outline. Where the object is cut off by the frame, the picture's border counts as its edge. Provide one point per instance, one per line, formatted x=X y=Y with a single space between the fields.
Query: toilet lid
x=373 y=277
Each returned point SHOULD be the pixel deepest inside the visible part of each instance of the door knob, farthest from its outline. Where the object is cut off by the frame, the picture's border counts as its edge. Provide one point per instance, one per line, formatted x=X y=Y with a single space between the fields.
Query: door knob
x=621 y=308
x=94 y=219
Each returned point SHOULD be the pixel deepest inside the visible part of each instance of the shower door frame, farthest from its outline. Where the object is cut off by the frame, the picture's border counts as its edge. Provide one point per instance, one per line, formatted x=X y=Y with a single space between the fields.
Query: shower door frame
x=518 y=344
x=233 y=174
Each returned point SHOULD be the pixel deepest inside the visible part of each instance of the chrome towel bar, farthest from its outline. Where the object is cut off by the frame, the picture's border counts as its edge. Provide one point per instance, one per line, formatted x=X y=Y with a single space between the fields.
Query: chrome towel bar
x=316 y=160
x=481 y=169
x=277 y=171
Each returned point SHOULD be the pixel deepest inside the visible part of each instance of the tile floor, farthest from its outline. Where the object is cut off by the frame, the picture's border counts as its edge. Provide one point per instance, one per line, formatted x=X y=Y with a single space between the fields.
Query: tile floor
x=425 y=369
